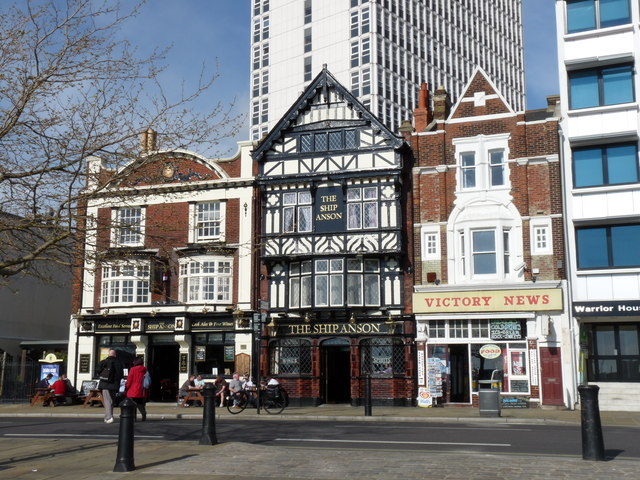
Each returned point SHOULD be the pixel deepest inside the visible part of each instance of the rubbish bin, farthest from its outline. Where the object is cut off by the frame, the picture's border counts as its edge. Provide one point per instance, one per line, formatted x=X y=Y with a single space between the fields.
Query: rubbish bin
x=489 y=398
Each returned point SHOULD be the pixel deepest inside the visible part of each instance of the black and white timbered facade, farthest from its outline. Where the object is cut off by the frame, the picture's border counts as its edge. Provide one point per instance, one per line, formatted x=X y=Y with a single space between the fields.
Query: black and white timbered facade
x=334 y=251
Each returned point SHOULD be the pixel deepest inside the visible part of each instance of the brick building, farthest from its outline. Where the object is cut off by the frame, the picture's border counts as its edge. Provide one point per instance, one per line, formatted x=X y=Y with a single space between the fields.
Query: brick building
x=165 y=267
x=490 y=291
x=334 y=259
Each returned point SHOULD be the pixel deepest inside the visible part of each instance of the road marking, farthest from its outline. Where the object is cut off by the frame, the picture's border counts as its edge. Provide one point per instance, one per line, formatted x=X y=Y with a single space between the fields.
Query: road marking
x=48 y=435
x=378 y=426
x=392 y=442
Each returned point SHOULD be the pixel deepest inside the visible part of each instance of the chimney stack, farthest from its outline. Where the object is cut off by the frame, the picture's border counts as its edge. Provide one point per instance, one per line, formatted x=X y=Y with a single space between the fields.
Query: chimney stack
x=148 y=140
x=441 y=104
x=421 y=114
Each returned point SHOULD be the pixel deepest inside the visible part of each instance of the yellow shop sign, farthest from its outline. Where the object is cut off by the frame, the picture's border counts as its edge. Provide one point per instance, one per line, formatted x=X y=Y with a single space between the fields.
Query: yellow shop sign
x=488 y=301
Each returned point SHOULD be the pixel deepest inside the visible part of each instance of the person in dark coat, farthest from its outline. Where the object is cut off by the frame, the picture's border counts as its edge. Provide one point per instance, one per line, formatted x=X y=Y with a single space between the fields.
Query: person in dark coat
x=134 y=388
x=110 y=372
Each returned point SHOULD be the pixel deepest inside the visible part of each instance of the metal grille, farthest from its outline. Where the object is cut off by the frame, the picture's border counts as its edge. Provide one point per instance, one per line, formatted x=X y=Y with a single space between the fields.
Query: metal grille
x=290 y=356
x=382 y=356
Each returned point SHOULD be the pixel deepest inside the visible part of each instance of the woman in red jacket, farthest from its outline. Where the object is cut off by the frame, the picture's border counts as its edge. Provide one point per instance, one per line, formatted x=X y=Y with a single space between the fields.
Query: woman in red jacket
x=134 y=389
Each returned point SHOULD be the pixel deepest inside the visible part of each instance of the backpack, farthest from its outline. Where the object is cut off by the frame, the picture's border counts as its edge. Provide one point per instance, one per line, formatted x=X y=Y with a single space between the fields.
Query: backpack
x=146 y=381
x=107 y=373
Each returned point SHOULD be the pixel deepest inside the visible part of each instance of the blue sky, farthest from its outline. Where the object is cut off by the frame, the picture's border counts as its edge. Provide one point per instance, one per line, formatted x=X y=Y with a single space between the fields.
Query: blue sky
x=210 y=31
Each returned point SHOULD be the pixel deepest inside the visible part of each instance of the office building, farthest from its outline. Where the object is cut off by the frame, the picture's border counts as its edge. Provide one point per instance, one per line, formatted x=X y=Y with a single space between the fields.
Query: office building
x=597 y=55
x=381 y=51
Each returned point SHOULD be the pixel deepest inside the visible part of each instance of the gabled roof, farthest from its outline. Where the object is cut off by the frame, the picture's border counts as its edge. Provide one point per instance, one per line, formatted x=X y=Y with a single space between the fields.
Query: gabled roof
x=320 y=85
x=488 y=96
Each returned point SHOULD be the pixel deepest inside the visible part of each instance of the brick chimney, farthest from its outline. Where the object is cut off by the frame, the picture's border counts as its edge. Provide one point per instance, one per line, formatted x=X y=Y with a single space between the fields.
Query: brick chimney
x=421 y=114
x=441 y=104
x=148 y=141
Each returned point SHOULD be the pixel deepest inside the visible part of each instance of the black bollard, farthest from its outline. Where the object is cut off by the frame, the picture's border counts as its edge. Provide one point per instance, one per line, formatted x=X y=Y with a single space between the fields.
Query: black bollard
x=124 y=458
x=367 y=396
x=592 y=441
x=209 y=416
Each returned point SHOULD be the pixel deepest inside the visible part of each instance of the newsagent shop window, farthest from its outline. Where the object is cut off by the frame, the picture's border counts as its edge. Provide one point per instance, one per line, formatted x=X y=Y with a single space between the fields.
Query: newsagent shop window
x=290 y=356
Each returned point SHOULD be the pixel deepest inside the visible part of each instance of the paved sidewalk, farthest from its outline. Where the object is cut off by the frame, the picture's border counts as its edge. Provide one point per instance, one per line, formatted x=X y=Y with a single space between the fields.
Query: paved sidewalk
x=343 y=412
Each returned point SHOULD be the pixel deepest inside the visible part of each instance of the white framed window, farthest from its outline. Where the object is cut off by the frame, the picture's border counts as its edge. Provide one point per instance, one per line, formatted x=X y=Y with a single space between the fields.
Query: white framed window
x=127 y=227
x=206 y=279
x=362 y=208
x=296 y=212
x=207 y=221
x=482 y=162
x=430 y=242
x=125 y=283
x=541 y=240
x=489 y=253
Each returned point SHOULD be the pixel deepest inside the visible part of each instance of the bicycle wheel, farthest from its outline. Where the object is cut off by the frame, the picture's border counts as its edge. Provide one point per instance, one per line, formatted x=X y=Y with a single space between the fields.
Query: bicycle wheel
x=237 y=403
x=274 y=406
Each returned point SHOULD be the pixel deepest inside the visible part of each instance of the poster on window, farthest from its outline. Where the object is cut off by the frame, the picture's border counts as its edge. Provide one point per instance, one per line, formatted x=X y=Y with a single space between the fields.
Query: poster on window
x=505 y=329
x=329 y=215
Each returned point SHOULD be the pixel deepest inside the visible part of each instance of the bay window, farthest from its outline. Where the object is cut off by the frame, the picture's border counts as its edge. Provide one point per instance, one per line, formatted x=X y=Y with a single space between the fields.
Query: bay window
x=489 y=253
x=334 y=282
x=125 y=283
x=206 y=280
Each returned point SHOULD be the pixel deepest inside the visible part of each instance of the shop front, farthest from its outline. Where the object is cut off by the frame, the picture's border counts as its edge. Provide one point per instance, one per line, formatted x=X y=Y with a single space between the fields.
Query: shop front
x=174 y=347
x=329 y=362
x=467 y=343
x=610 y=351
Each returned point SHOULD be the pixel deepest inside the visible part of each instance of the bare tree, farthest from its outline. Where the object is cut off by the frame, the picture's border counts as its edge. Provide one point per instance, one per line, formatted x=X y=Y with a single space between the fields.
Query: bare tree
x=71 y=89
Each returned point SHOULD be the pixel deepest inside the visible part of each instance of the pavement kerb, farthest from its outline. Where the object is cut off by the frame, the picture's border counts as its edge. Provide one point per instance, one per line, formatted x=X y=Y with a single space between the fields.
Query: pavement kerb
x=317 y=418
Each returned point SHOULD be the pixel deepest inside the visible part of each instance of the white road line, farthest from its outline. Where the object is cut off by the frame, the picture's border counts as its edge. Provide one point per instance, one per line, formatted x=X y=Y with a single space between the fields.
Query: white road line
x=392 y=442
x=425 y=427
x=49 y=435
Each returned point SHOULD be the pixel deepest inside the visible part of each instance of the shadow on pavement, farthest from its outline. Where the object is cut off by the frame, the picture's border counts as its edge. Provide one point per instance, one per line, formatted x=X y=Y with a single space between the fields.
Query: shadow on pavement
x=163 y=462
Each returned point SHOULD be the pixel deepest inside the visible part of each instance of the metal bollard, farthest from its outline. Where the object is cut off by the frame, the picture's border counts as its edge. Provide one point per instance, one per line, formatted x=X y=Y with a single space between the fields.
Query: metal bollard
x=124 y=458
x=209 y=416
x=367 y=396
x=592 y=441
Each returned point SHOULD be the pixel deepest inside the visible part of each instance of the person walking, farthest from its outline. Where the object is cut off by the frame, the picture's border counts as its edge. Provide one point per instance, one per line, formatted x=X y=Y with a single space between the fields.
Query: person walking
x=110 y=373
x=134 y=388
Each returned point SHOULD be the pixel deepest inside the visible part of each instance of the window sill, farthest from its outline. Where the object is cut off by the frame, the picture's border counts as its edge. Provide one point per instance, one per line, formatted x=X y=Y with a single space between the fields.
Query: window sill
x=598 y=32
x=604 y=189
x=579 y=112
x=607 y=271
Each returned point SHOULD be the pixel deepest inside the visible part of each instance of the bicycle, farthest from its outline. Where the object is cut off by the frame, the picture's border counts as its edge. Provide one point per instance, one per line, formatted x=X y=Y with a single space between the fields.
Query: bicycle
x=273 y=399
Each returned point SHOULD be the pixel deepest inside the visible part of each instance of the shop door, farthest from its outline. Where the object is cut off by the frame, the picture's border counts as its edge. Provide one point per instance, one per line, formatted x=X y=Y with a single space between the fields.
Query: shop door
x=163 y=366
x=336 y=375
x=459 y=358
x=551 y=373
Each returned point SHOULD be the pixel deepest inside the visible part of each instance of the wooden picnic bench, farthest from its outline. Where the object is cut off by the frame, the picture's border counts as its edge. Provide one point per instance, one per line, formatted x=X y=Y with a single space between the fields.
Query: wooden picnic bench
x=94 y=395
x=42 y=395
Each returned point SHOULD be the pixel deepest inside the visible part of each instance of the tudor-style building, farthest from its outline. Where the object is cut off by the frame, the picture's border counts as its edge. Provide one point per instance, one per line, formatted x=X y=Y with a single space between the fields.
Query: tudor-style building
x=490 y=289
x=165 y=268
x=334 y=256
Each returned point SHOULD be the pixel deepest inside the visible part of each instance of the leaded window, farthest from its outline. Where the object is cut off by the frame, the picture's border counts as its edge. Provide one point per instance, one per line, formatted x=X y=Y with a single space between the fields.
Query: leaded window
x=362 y=208
x=290 y=356
x=382 y=357
x=296 y=212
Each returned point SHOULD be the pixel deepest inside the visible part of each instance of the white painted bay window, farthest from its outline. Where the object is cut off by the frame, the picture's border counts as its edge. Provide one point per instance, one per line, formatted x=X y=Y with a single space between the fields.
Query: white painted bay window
x=125 y=283
x=206 y=279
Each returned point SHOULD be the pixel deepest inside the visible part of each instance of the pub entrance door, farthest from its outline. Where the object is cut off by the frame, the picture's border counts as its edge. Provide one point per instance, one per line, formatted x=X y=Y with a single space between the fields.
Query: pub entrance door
x=163 y=368
x=336 y=374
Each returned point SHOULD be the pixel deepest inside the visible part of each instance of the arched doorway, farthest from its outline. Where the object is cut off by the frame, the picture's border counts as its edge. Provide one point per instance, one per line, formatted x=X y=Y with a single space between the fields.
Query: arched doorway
x=336 y=373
